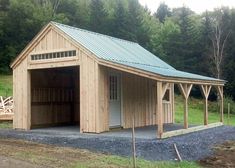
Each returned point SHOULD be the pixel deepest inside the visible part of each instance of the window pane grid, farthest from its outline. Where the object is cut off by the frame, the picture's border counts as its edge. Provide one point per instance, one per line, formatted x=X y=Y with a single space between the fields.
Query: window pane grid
x=71 y=53
x=113 y=82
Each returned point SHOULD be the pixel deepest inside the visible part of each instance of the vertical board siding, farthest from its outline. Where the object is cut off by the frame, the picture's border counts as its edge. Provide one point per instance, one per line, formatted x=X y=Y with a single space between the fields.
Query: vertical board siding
x=94 y=96
x=103 y=112
x=21 y=91
x=139 y=97
x=89 y=95
x=52 y=41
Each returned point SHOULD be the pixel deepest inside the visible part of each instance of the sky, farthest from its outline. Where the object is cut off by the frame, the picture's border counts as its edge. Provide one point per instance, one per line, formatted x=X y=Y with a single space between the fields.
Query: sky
x=197 y=6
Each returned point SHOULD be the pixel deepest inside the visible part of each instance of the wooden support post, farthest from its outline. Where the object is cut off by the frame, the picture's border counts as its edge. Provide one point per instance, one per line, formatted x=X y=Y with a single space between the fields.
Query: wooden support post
x=133 y=140
x=173 y=103
x=228 y=113
x=159 y=110
x=205 y=89
x=222 y=108
x=206 y=111
x=186 y=113
x=220 y=91
x=185 y=91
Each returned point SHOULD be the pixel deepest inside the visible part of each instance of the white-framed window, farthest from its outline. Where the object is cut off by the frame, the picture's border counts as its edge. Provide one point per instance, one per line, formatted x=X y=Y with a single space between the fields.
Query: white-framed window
x=114 y=94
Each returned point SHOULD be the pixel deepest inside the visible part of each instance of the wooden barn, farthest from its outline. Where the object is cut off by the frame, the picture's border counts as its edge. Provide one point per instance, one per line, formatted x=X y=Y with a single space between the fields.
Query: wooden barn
x=71 y=76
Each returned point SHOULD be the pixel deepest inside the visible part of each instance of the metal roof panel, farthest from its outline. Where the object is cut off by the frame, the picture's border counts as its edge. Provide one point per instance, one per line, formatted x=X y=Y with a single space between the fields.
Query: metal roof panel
x=125 y=52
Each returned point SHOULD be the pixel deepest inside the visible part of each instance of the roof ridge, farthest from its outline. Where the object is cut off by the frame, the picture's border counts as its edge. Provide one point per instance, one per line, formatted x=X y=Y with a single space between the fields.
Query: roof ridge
x=100 y=34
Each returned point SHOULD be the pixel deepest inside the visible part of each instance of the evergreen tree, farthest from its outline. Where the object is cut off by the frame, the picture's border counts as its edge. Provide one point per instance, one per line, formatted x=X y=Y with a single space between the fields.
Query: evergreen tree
x=120 y=21
x=163 y=11
x=98 y=16
x=185 y=45
x=134 y=19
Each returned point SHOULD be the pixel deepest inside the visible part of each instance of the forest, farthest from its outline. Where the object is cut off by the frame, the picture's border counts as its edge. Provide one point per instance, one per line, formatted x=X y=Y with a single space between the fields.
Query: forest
x=198 y=43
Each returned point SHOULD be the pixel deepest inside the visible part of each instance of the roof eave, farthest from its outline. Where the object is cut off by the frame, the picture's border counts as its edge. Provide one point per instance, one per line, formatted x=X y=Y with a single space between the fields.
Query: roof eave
x=158 y=77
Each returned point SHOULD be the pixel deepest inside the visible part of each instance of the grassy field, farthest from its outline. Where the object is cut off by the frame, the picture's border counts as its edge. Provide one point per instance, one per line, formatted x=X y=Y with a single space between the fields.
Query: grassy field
x=195 y=115
x=6 y=85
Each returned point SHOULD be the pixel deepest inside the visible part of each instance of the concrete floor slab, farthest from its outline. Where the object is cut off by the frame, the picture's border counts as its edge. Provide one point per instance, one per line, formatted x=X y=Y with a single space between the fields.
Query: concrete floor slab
x=147 y=132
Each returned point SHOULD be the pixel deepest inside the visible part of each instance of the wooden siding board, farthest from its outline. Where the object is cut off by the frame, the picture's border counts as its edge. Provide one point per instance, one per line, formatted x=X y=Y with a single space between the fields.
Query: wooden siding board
x=139 y=95
x=20 y=87
x=89 y=95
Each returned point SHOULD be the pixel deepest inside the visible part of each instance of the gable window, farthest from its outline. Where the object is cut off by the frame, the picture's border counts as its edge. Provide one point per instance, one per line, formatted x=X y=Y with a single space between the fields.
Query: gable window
x=71 y=53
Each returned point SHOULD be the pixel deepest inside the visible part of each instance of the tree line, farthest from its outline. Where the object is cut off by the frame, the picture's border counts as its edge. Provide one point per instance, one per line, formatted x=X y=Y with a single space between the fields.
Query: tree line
x=198 y=43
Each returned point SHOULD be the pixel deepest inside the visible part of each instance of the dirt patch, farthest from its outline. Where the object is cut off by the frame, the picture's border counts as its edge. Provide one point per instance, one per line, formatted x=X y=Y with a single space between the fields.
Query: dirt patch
x=29 y=154
x=7 y=162
x=224 y=157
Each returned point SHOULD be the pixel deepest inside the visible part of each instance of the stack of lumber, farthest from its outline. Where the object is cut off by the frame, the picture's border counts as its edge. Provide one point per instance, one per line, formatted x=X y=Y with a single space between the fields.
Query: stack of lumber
x=6 y=108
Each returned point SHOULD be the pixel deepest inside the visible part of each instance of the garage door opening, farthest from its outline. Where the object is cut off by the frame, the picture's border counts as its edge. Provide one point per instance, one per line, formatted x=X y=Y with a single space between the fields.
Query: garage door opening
x=55 y=97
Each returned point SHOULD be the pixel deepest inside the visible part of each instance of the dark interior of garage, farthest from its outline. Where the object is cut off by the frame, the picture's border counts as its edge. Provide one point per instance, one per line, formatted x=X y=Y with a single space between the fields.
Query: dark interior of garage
x=55 y=97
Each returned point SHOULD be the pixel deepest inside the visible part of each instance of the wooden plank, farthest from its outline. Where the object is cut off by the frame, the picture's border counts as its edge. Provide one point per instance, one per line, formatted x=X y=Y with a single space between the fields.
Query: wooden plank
x=189 y=130
x=139 y=95
x=221 y=105
x=220 y=91
x=54 y=64
x=173 y=103
x=186 y=113
x=206 y=111
x=28 y=117
x=164 y=88
x=6 y=117
x=97 y=96
x=159 y=109
x=182 y=90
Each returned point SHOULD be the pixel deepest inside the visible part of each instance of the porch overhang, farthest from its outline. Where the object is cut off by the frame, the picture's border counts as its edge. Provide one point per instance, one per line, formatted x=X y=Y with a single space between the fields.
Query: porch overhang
x=185 y=85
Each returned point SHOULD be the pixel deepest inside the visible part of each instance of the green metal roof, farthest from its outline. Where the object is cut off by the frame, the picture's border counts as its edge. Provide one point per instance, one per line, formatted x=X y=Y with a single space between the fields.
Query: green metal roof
x=125 y=52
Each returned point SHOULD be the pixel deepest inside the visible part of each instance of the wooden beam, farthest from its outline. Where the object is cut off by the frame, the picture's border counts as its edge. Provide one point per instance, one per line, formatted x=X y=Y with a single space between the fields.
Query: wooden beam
x=28 y=119
x=159 y=109
x=173 y=102
x=189 y=130
x=186 y=113
x=165 y=86
x=205 y=90
x=185 y=91
x=220 y=92
x=182 y=90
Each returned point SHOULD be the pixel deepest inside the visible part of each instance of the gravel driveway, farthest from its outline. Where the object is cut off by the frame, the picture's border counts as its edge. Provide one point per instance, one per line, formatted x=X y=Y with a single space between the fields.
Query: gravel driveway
x=193 y=146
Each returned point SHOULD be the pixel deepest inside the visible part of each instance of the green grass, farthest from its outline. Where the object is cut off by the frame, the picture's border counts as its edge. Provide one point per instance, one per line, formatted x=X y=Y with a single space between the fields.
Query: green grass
x=117 y=161
x=195 y=115
x=5 y=124
x=6 y=85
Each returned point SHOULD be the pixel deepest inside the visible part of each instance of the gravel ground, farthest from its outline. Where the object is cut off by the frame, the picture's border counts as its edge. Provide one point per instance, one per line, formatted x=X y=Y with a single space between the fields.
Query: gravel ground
x=193 y=146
